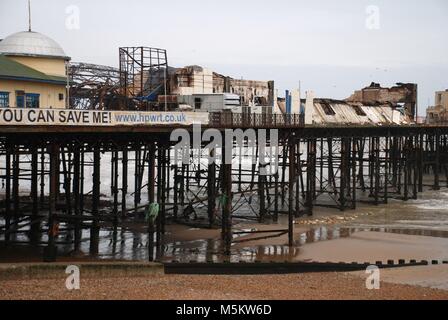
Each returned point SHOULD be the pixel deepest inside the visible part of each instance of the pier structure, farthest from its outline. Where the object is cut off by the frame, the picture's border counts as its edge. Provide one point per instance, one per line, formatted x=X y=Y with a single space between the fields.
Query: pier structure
x=53 y=178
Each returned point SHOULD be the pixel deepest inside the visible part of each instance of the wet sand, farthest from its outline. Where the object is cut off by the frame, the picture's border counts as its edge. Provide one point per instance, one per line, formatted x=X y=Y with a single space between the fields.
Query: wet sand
x=376 y=246
x=435 y=277
x=315 y=241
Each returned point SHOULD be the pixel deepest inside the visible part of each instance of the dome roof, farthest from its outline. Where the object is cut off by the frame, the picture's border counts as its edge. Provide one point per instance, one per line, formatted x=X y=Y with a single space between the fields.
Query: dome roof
x=29 y=43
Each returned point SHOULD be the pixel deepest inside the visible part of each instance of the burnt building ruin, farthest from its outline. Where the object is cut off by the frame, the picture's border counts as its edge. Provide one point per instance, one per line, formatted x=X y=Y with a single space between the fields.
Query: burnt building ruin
x=403 y=95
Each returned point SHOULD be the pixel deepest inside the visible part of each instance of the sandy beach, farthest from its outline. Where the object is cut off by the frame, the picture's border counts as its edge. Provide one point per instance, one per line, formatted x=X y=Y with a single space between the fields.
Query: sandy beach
x=349 y=237
x=318 y=286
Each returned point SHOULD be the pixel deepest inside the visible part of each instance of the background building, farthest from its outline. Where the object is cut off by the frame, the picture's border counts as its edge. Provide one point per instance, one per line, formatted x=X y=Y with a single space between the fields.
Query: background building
x=439 y=112
x=198 y=80
x=32 y=72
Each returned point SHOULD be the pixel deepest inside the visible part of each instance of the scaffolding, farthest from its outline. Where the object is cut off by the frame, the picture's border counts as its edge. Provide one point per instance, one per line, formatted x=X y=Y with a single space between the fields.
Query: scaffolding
x=143 y=75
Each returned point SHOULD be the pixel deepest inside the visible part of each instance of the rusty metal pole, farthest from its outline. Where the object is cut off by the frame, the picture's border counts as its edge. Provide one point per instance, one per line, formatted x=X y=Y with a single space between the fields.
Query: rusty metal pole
x=276 y=196
x=415 y=167
x=114 y=180
x=311 y=176
x=261 y=196
x=386 y=169
x=298 y=177
x=81 y=180
x=343 y=172
x=175 y=191
x=407 y=168
x=51 y=250
x=420 y=164
x=353 y=168
x=151 y=199
x=226 y=168
x=376 y=155
x=42 y=179
x=284 y=163
x=15 y=182
x=67 y=179
x=77 y=198
x=211 y=190
x=400 y=153
x=34 y=194
x=124 y=180
x=95 y=230
x=137 y=177
x=164 y=187
x=8 y=193
x=437 y=162
x=151 y=174
x=159 y=197
x=292 y=179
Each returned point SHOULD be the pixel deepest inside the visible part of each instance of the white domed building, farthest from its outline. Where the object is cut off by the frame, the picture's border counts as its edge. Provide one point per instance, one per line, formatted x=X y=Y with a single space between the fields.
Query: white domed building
x=32 y=71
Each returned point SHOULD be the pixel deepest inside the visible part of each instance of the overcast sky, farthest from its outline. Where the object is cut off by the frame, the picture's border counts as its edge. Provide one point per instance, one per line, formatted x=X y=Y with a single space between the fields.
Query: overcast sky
x=332 y=47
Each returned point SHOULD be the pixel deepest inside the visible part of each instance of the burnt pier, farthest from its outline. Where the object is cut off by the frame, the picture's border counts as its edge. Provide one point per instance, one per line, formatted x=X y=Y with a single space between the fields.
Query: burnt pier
x=72 y=179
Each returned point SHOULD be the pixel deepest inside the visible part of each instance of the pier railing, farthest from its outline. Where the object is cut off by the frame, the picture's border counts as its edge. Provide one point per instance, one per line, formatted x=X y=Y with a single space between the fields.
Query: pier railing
x=251 y=120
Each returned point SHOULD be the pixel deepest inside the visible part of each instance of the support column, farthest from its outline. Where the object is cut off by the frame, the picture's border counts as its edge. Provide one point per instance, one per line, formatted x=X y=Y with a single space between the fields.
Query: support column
x=292 y=179
x=407 y=154
x=151 y=199
x=420 y=164
x=276 y=196
x=377 y=173
x=163 y=191
x=81 y=182
x=15 y=182
x=415 y=167
x=95 y=230
x=77 y=198
x=437 y=162
x=42 y=179
x=34 y=229
x=50 y=251
x=159 y=197
x=124 y=181
x=311 y=176
x=227 y=201
x=386 y=169
x=261 y=195
x=137 y=170
x=8 y=194
x=353 y=168
x=344 y=173
x=175 y=191
x=114 y=179
x=67 y=179
x=211 y=190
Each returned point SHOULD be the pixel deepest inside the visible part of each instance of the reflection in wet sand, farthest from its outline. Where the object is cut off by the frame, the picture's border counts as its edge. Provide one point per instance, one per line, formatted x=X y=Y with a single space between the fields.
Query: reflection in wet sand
x=185 y=244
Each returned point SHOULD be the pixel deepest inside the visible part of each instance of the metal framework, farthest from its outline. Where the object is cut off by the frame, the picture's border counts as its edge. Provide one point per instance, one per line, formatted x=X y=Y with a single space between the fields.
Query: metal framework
x=94 y=87
x=333 y=167
x=143 y=75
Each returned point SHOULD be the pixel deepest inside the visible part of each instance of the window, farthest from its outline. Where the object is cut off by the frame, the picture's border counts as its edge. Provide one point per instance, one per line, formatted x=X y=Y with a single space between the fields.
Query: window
x=20 y=99
x=328 y=109
x=32 y=100
x=61 y=96
x=197 y=103
x=359 y=111
x=4 y=99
